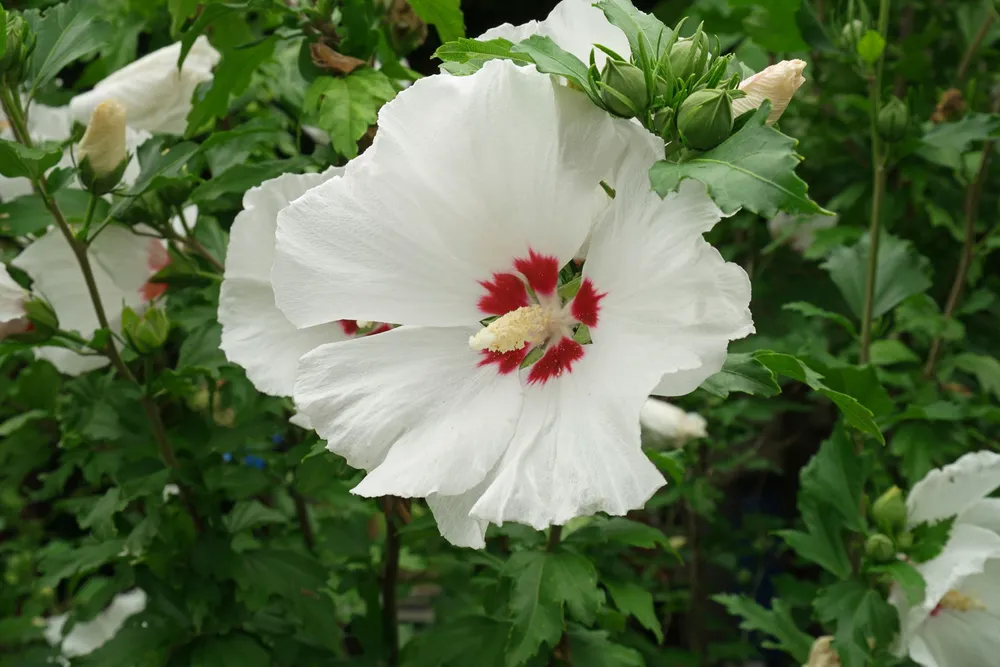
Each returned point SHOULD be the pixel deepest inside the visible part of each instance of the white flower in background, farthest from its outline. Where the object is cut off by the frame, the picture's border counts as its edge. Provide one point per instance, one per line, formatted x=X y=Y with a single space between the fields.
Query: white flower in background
x=88 y=636
x=156 y=95
x=575 y=25
x=958 y=622
x=12 y=297
x=669 y=421
x=476 y=189
x=255 y=334
x=823 y=654
x=122 y=263
x=799 y=231
x=103 y=144
x=170 y=490
x=776 y=83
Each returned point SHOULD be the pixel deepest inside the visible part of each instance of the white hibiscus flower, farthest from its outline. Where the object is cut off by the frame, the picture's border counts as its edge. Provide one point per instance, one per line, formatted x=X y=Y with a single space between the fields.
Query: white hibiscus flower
x=776 y=83
x=122 y=263
x=575 y=25
x=156 y=95
x=478 y=190
x=958 y=621
x=669 y=421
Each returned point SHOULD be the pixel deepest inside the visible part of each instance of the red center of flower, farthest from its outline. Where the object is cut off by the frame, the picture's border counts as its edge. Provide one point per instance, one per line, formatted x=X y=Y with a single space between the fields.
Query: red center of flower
x=532 y=317
x=157 y=257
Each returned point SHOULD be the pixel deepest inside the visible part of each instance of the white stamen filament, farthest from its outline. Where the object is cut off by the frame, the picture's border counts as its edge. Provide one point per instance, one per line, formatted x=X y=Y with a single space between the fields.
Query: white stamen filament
x=363 y=324
x=957 y=601
x=528 y=324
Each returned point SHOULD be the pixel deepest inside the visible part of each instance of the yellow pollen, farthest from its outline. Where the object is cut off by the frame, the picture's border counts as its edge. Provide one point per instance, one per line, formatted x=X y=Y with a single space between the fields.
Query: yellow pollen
x=528 y=324
x=960 y=602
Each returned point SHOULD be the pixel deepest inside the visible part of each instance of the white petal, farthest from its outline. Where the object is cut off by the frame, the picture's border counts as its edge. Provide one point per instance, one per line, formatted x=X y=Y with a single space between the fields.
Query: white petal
x=512 y=33
x=49 y=123
x=133 y=140
x=68 y=362
x=577 y=449
x=12 y=297
x=667 y=290
x=88 y=636
x=958 y=639
x=776 y=83
x=966 y=553
x=454 y=521
x=576 y=25
x=985 y=514
x=156 y=95
x=300 y=420
x=466 y=174
x=121 y=263
x=411 y=405
x=948 y=491
x=255 y=334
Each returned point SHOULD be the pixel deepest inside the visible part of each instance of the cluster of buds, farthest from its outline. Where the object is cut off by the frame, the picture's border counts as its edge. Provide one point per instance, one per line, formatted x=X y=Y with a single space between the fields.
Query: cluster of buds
x=686 y=92
x=147 y=332
x=890 y=515
x=20 y=44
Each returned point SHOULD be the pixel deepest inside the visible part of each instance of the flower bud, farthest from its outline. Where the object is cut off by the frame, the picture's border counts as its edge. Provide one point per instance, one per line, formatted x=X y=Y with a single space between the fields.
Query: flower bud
x=889 y=511
x=822 y=654
x=20 y=44
x=904 y=540
x=893 y=120
x=623 y=89
x=689 y=57
x=705 y=119
x=102 y=152
x=880 y=547
x=148 y=332
x=851 y=33
x=43 y=319
x=663 y=123
x=776 y=83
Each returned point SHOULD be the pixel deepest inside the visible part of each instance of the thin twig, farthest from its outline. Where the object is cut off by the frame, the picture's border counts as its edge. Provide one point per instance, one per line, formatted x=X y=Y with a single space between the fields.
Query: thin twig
x=190 y=241
x=963 y=67
x=555 y=535
x=302 y=513
x=696 y=610
x=390 y=574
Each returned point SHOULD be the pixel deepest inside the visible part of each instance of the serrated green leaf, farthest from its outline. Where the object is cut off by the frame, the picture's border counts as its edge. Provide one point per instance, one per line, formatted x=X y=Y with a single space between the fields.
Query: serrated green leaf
x=593 y=648
x=862 y=617
x=835 y=477
x=888 y=351
x=619 y=531
x=233 y=650
x=908 y=577
x=929 y=539
x=545 y=583
x=776 y=622
x=58 y=566
x=985 y=368
x=65 y=32
x=550 y=58
x=753 y=169
x=102 y=511
x=232 y=78
x=445 y=15
x=467 y=56
x=809 y=310
x=281 y=572
x=901 y=273
x=159 y=164
x=743 y=373
x=250 y=514
x=634 y=600
x=822 y=541
x=870 y=46
x=242 y=177
x=347 y=107
x=944 y=143
x=645 y=32
x=19 y=160
x=458 y=642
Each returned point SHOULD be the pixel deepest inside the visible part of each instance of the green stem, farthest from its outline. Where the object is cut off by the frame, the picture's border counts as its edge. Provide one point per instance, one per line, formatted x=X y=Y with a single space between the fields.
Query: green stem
x=390 y=574
x=555 y=535
x=878 y=190
x=191 y=242
x=89 y=219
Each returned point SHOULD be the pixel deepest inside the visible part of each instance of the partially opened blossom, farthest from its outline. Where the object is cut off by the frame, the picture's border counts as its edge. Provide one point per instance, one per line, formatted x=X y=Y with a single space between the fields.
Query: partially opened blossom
x=491 y=400
x=575 y=25
x=958 y=621
x=122 y=263
x=776 y=83
x=671 y=422
x=12 y=297
x=156 y=95
x=255 y=334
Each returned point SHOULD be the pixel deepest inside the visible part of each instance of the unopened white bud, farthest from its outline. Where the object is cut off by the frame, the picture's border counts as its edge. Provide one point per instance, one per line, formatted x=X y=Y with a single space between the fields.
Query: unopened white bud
x=103 y=144
x=671 y=422
x=823 y=654
x=776 y=83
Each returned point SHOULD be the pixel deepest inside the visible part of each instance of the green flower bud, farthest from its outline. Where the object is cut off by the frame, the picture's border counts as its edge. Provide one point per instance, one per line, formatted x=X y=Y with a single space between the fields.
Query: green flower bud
x=623 y=89
x=889 y=511
x=879 y=547
x=20 y=44
x=904 y=540
x=705 y=119
x=689 y=57
x=42 y=317
x=148 y=332
x=852 y=32
x=893 y=120
x=663 y=123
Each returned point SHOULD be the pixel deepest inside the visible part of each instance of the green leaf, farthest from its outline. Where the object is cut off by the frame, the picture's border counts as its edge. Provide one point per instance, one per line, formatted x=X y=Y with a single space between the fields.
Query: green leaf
x=17 y=422
x=180 y=11
x=888 y=351
x=645 y=32
x=348 y=106
x=467 y=56
x=860 y=615
x=822 y=542
x=944 y=143
x=985 y=368
x=742 y=372
x=201 y=350
x=544 y=583
x=929 y=539
x=250 y=514
x=901 y=273
x=209 y=14
x=856 y=414
x=65 y=32
x=63 y=564
x=592 y=648
x=281 y=572
x=753 y=169
x=773 y=25
x=234 y=650
x=908 y=577
x=620 y=531
x=870 y=46
x=232 y=78
x=100 y=515
x=835 y=477
x=776 y=622
x=861 y=383
x=634 y=600
x=458 y=642
x=550 y=58
x=809 y=310
x=242 y=177
x=445 y=15
x=19 y=160
x=158 y=165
